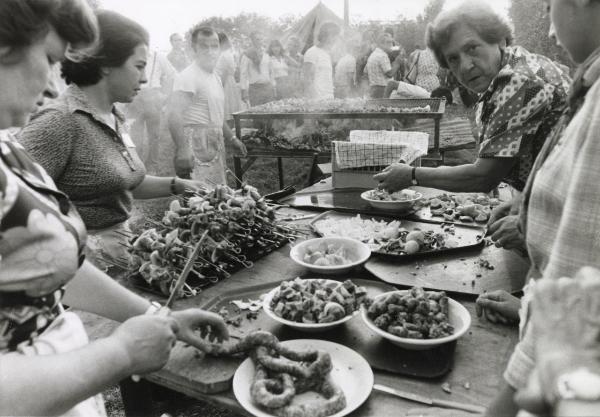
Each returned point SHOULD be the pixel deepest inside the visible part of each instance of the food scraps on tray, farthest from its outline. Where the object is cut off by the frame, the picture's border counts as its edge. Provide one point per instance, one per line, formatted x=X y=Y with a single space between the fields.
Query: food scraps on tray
x=418 y=314
x=317 y=300
x=282 y=373
x=466 y=208
x=387 y=237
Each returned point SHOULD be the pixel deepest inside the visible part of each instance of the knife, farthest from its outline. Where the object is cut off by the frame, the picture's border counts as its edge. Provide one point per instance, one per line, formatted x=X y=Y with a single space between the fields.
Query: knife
x=429 y=401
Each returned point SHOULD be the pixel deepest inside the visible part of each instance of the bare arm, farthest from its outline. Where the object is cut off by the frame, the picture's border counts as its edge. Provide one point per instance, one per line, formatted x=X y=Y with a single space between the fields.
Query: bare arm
x=59 y=381
x=308 y=73
x=93 y=291
x=180 y=102
x=504 y=403
x=482 y=176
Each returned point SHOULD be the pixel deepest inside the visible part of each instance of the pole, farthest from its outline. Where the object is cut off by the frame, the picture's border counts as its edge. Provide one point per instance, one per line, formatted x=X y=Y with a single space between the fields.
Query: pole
x=347 y=13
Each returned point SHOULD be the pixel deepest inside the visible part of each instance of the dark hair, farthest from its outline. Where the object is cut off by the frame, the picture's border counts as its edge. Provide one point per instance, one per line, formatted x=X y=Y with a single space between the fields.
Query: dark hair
x=119 y=36
x=206 y=31
x=272 y=45
x=22 y=22
x=224 y=41
x=479 y=16
x=327 y=31
x=172 y=36
x=443 y=92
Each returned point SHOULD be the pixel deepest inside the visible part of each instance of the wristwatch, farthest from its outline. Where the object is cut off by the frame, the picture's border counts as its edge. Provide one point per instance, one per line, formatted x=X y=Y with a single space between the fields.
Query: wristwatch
x=414 y=176
x=581 y=384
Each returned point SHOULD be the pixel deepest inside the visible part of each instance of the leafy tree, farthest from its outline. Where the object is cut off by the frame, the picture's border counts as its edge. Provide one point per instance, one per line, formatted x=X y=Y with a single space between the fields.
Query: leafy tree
x=531 y=29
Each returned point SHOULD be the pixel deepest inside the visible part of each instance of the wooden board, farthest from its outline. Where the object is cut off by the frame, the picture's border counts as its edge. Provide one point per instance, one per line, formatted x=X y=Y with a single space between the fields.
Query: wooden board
x=456 y=272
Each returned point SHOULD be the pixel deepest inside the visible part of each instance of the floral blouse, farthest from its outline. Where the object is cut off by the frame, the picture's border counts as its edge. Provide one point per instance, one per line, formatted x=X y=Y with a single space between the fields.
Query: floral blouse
x=519 y=110
x=41 y=246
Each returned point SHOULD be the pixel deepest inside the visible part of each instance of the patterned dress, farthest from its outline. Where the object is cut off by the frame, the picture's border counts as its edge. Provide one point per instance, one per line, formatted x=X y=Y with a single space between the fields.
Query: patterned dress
x=41 y=247
x=517 y=113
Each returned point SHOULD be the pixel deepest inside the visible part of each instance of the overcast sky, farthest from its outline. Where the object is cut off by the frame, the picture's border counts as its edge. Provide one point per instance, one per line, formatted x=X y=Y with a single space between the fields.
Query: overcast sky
x=163 y=17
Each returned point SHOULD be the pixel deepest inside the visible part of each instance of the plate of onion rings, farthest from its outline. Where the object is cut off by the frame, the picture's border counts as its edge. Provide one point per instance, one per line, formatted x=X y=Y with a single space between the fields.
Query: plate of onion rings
x=350 y=377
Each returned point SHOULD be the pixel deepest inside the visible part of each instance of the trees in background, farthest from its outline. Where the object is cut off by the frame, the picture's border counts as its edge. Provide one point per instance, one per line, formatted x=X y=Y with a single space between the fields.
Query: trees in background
x=532 y=25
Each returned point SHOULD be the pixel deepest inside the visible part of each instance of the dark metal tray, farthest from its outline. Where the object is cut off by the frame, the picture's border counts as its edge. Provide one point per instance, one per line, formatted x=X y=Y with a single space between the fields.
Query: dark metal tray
x=466 y=236
x=380 y=353
x=136 y=279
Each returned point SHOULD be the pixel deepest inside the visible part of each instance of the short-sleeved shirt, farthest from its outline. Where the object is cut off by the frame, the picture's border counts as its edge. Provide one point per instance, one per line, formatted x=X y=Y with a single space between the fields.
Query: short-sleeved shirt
x=345 y=70
x=208 y=96
x=322 y=85
x=517 y=113
x=377 y=65
x=41 y=246
x=93 y=163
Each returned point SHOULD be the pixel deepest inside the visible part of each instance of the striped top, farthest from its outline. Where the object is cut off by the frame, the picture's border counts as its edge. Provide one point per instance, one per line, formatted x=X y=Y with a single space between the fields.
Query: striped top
x=208 y=97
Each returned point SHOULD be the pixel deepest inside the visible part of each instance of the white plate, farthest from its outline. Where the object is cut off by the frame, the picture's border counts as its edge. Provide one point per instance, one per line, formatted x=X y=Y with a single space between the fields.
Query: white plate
x=351 y=373
x=399 y=206
x=305 y=327
x=458 y=316
x=357 y=250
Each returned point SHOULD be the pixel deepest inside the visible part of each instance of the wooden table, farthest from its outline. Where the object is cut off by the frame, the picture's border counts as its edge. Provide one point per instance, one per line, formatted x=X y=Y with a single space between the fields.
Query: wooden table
x=480 y=356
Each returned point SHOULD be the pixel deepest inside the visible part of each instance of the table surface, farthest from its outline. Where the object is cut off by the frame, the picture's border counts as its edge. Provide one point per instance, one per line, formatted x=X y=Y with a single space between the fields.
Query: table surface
x=480 y=357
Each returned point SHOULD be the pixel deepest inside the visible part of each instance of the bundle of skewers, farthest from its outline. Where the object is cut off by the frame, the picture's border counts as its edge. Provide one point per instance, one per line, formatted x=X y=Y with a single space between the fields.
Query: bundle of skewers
x=240 y=226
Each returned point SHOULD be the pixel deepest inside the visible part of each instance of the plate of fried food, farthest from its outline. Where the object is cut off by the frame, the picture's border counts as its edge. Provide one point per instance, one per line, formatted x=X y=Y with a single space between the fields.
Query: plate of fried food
x=416 y=319
x=314 y=305
x=308 y=378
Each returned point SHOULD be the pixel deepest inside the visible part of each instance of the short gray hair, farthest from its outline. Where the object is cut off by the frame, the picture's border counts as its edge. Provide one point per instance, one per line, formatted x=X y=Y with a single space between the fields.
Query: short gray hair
x=478 y=15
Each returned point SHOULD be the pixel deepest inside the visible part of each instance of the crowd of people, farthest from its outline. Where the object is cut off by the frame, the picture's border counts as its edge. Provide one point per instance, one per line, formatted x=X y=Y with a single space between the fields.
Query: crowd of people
x=68 y=182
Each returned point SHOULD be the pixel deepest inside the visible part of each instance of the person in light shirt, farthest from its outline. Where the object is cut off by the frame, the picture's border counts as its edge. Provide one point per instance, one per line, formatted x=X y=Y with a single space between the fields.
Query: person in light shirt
x=256 y=77
x=197 y=114
x=318 y=68
x=345 y=72
x=379 y=68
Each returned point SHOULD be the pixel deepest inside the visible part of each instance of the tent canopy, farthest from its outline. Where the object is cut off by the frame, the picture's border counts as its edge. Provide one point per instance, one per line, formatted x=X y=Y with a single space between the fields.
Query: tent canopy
x=307 y=28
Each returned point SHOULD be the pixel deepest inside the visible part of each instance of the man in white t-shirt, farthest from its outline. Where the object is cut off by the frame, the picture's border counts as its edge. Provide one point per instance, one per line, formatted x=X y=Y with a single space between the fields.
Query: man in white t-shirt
x=197 y=114
x=317 y=68
x=344 y=79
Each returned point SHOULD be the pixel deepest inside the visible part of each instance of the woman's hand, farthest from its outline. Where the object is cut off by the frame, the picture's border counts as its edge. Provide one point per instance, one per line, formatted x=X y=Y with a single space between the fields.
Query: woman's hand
x=183 y=162
x=506 y=233
x=498 y=307
x=147 y=341
x=395 y=177
x=500 y=212
x=196 y=326
x=238 y=146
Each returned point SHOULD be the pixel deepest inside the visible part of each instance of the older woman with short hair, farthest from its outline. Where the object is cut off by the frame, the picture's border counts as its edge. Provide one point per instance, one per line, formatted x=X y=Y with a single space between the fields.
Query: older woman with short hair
x=521 y=96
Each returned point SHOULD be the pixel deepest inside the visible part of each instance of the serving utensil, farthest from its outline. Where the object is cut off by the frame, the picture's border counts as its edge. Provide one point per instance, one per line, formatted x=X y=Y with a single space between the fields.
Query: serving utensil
x=429 y=401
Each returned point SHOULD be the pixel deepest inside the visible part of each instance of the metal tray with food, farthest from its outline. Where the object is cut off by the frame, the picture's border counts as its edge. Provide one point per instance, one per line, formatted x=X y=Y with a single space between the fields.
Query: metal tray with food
x=243 y=312
x=388 y=236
